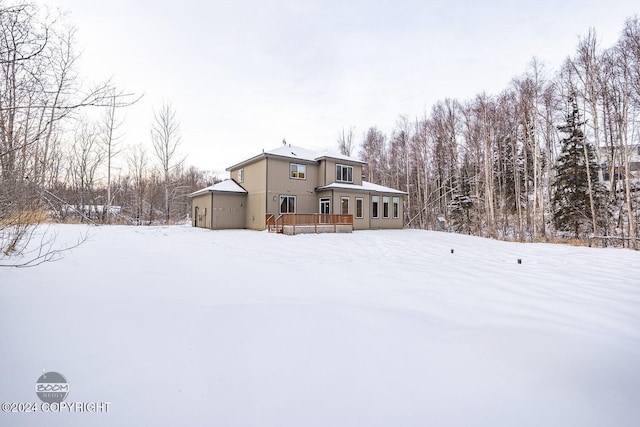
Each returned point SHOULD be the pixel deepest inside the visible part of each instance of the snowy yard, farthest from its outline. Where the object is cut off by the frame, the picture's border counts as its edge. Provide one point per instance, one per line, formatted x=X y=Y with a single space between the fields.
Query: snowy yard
x=184 y=326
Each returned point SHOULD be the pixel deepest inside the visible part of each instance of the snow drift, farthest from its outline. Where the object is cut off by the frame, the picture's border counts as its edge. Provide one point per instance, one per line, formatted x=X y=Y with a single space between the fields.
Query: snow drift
x=184 y=326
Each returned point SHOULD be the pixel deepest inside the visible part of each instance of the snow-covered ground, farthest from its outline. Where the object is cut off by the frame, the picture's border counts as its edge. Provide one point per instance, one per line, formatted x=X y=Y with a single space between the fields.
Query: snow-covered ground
x=183 y=326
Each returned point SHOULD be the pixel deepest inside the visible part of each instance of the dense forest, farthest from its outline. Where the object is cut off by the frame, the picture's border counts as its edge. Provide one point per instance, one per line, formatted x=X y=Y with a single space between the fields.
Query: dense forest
x=553 y=156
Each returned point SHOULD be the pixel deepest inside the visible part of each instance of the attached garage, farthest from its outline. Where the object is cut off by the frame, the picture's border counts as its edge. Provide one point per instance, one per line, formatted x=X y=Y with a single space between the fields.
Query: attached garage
x=220 y=206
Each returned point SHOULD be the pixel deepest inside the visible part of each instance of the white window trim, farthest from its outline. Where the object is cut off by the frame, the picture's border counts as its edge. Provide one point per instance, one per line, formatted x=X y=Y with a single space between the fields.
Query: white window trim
x=295 y=203
x=338 y=165
x=385 y=201
x=241 y=175
x=324 y=199
x=361 y=200
x=396 y=201
x=342 y=199
x=297 y=171
x=375 y=211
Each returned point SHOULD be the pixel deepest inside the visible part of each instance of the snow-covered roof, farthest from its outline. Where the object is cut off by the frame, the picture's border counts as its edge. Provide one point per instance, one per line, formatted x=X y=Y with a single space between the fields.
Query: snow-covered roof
x=226 y=186
x=309 y=155
x=380 y=188
x=366 y=186
x=294 y=153
x=338 y=156
x=299 y=153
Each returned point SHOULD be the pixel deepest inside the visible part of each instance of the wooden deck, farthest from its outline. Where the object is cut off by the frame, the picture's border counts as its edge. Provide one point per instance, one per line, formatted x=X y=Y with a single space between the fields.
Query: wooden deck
x=291 y=224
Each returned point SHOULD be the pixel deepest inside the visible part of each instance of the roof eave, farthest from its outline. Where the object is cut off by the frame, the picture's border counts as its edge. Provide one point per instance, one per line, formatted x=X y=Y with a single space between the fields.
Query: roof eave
x=341 y=159
x=246 y=162
x=361 y=188
x=290 y=158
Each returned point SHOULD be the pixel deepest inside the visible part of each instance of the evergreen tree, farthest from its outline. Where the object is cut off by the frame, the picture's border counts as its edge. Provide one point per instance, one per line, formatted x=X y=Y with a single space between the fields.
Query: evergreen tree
x=575 y=168
x=461 y=205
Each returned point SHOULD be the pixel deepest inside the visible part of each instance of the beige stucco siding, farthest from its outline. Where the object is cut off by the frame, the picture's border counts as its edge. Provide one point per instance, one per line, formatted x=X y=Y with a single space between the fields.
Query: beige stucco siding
x=219 y=210
x=366 y=221
x=253 y=181
x=255 y=212
x=327 y=169
x=201 y=211
x=228 y=210
x=337 y=196
x=391 y=222
x=281 y=184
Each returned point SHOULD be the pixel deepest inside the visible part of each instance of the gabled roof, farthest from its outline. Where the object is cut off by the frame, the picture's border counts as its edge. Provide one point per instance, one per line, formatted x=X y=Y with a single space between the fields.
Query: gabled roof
x=299 y=154
x=226 y=186
x=366 y=186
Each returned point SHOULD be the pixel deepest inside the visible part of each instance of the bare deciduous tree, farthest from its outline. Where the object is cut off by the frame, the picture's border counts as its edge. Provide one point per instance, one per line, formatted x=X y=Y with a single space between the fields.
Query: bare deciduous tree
x=110 y=139
x=165 y=136
x=39 y=91
x=345 y=141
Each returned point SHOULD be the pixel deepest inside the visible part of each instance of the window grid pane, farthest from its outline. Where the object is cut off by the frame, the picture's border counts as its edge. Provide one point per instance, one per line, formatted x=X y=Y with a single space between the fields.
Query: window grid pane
x=297 y=171
x=287 y=204
x=344 y=173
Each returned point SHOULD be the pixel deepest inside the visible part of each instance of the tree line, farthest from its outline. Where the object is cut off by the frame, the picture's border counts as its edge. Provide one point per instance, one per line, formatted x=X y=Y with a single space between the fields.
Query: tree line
x=499 y=165
x=61 y=153
x=552 y=155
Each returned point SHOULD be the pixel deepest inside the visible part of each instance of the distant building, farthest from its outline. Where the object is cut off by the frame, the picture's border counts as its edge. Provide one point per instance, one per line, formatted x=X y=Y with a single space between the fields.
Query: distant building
x=612 y=162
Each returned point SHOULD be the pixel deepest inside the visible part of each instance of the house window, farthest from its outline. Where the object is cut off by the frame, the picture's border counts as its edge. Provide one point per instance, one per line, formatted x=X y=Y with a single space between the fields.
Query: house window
x=359 y=207
x=240 y=175
x=297 y=171
x=287 y=204
x=344 y=205
x=385 y=207
x=396 y=207
x=344 y=173
x=374 y=206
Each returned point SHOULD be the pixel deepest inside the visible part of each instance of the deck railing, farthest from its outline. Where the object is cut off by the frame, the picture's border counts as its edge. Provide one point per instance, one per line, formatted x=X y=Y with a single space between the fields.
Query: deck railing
x=270 y=221
x=307 y=220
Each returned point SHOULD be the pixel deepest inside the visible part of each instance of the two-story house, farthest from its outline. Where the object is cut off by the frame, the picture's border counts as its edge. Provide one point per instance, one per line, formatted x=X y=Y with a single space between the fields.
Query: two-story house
x=294 y=180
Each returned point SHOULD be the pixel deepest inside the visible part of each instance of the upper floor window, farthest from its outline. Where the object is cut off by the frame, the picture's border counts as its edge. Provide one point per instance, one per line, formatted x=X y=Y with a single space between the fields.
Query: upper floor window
x=240 y=175
x=344 y=173
x=297 y=171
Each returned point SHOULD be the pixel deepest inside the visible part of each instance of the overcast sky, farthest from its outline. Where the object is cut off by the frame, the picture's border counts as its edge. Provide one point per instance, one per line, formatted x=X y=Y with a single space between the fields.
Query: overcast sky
x=243 y=75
